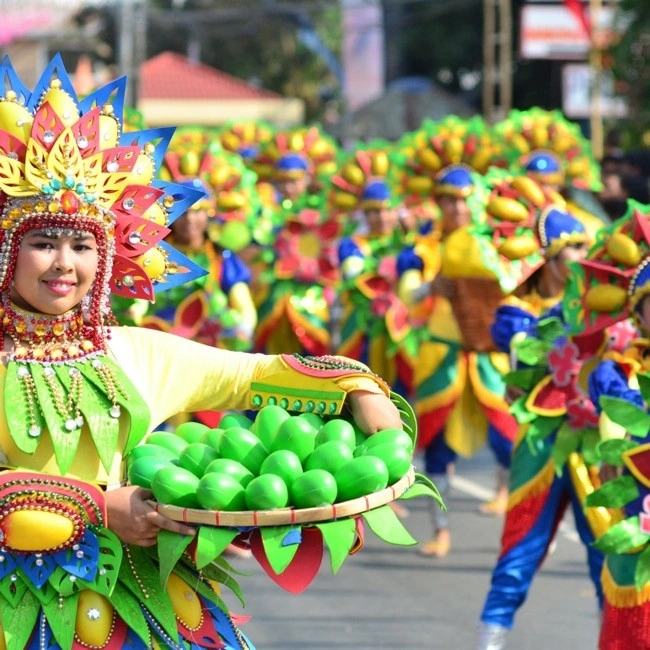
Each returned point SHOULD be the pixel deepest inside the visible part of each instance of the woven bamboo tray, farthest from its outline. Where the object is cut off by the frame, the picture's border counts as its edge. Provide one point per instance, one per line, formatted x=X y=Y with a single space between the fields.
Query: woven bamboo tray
x=288 y=516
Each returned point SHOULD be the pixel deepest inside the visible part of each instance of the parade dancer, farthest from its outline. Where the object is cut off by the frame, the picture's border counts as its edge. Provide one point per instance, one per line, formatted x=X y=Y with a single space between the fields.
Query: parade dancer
x=618 y=387
x=374 y=320
x=300 y=286
x=79 y=219
x=548 y=471
x=457 y=391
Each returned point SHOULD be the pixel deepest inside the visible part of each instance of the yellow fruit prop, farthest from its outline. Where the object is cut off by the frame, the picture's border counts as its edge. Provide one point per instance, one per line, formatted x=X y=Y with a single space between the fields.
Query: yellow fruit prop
x=514 y=248
x=185 y=602
x=623 y=249
x=36 y=530
x=530 y=190
x=93 y=630
x=508 y=209
x=605 y=298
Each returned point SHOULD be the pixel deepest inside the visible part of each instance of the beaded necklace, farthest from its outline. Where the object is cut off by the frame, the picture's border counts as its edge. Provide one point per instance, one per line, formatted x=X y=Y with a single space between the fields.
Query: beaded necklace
x=60 y=378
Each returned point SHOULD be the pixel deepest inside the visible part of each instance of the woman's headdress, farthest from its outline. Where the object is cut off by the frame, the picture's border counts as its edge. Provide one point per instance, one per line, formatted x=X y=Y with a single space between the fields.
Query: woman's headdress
x=365 y=180
x=608 y=286
x=547 y=147
x=441 y=156
x=67 y=165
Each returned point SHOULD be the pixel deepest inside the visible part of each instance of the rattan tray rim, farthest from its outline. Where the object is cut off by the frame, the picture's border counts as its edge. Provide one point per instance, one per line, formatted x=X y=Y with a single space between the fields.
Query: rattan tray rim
x=288 y=516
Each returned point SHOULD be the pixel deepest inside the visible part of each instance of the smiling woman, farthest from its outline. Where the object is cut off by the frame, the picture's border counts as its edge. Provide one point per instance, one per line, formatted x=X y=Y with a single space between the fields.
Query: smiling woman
x=55 y=269
x=81 y=217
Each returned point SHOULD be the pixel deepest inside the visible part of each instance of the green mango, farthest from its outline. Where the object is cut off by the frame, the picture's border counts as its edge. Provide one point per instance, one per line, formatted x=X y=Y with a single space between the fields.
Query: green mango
x=191 y=431
x=142 y=470
x=313 y=488
x=360 y=477
x=221 y=492
x=232 y=467
x=267 y=492
x=196 y=457
x=175 y=486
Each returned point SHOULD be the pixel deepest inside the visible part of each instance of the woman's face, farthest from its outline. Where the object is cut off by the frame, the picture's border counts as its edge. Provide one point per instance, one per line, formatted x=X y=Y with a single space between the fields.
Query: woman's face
x=293 y=188
x=381 y=221
x=454 y=211
x=643 y=311
x=54 y=272
x=570 y=253
x=189 y=230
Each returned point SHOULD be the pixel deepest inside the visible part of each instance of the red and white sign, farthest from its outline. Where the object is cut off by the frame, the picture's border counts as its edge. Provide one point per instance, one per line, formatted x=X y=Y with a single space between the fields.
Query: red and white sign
x=556 y=32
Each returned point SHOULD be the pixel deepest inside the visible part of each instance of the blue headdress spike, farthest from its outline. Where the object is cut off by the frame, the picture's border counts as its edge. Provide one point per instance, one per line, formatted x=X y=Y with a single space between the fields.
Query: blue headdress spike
x=249 y=151
x=376 y=190
x=160 y=138
x=12 y=81
x=184 y=198
x=55 y=69
x=112 y=93
x=188 y=270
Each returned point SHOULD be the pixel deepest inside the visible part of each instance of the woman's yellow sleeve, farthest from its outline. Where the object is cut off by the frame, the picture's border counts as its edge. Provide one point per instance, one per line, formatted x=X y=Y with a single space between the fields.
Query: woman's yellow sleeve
x=176 y=375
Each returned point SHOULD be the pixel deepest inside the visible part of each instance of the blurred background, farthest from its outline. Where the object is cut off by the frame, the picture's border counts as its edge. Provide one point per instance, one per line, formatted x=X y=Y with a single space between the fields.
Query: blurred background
x=362 y=68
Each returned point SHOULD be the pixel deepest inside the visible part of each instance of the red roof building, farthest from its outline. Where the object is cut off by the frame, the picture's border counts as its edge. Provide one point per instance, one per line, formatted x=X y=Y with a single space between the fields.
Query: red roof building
x=175 y=90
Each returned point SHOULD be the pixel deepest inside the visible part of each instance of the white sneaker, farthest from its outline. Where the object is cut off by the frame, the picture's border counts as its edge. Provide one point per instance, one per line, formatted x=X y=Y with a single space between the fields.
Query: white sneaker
x=491 y=637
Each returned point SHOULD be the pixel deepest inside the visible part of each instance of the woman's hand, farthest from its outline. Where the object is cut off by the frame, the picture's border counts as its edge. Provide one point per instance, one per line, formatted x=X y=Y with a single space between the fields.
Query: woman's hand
x=134 y=520
x=373 y=411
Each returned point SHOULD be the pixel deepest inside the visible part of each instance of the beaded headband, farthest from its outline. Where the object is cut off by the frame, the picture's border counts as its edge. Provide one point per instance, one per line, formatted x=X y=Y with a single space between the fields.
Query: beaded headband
x=557 y=229
x=66 y=164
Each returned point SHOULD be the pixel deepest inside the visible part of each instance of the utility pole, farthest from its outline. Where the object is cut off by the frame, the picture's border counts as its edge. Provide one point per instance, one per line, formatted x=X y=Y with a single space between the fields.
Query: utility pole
x=596 y=64
x=132 y=48
x=497 y=59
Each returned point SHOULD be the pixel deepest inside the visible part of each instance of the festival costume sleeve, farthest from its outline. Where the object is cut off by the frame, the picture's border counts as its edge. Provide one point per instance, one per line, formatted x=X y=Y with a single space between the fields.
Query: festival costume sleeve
x=351 y=258
x=411 y=288
x=176 y=375
x=510 y=320
x=608 y=378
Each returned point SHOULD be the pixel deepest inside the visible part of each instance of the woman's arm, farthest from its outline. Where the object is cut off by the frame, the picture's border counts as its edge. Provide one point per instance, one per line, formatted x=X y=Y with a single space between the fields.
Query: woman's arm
x=175 y=375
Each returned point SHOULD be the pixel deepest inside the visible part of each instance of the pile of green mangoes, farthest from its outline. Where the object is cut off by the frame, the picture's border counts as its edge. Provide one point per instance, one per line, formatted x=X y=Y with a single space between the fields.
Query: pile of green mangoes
x=278 y=460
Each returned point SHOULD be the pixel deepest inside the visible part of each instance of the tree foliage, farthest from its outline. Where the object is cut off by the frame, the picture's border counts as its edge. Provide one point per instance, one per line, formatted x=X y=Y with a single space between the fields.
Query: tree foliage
x=260 y=42
x=631 y=65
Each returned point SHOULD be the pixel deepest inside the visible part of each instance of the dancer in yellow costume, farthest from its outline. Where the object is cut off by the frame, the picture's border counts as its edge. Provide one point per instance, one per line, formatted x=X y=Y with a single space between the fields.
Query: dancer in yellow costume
x=457 y=389
x=217 y=310
x=82 y=216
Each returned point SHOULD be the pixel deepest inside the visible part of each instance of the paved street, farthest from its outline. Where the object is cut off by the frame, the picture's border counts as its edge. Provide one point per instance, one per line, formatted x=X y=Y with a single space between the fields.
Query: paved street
x=391 y=598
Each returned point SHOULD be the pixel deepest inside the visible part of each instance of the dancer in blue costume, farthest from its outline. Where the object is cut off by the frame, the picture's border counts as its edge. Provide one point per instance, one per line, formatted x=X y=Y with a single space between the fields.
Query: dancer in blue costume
x=552 y=409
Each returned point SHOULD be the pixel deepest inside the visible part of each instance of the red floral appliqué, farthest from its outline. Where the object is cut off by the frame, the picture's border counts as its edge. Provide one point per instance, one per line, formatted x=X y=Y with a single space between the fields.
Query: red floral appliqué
x=564 y=363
